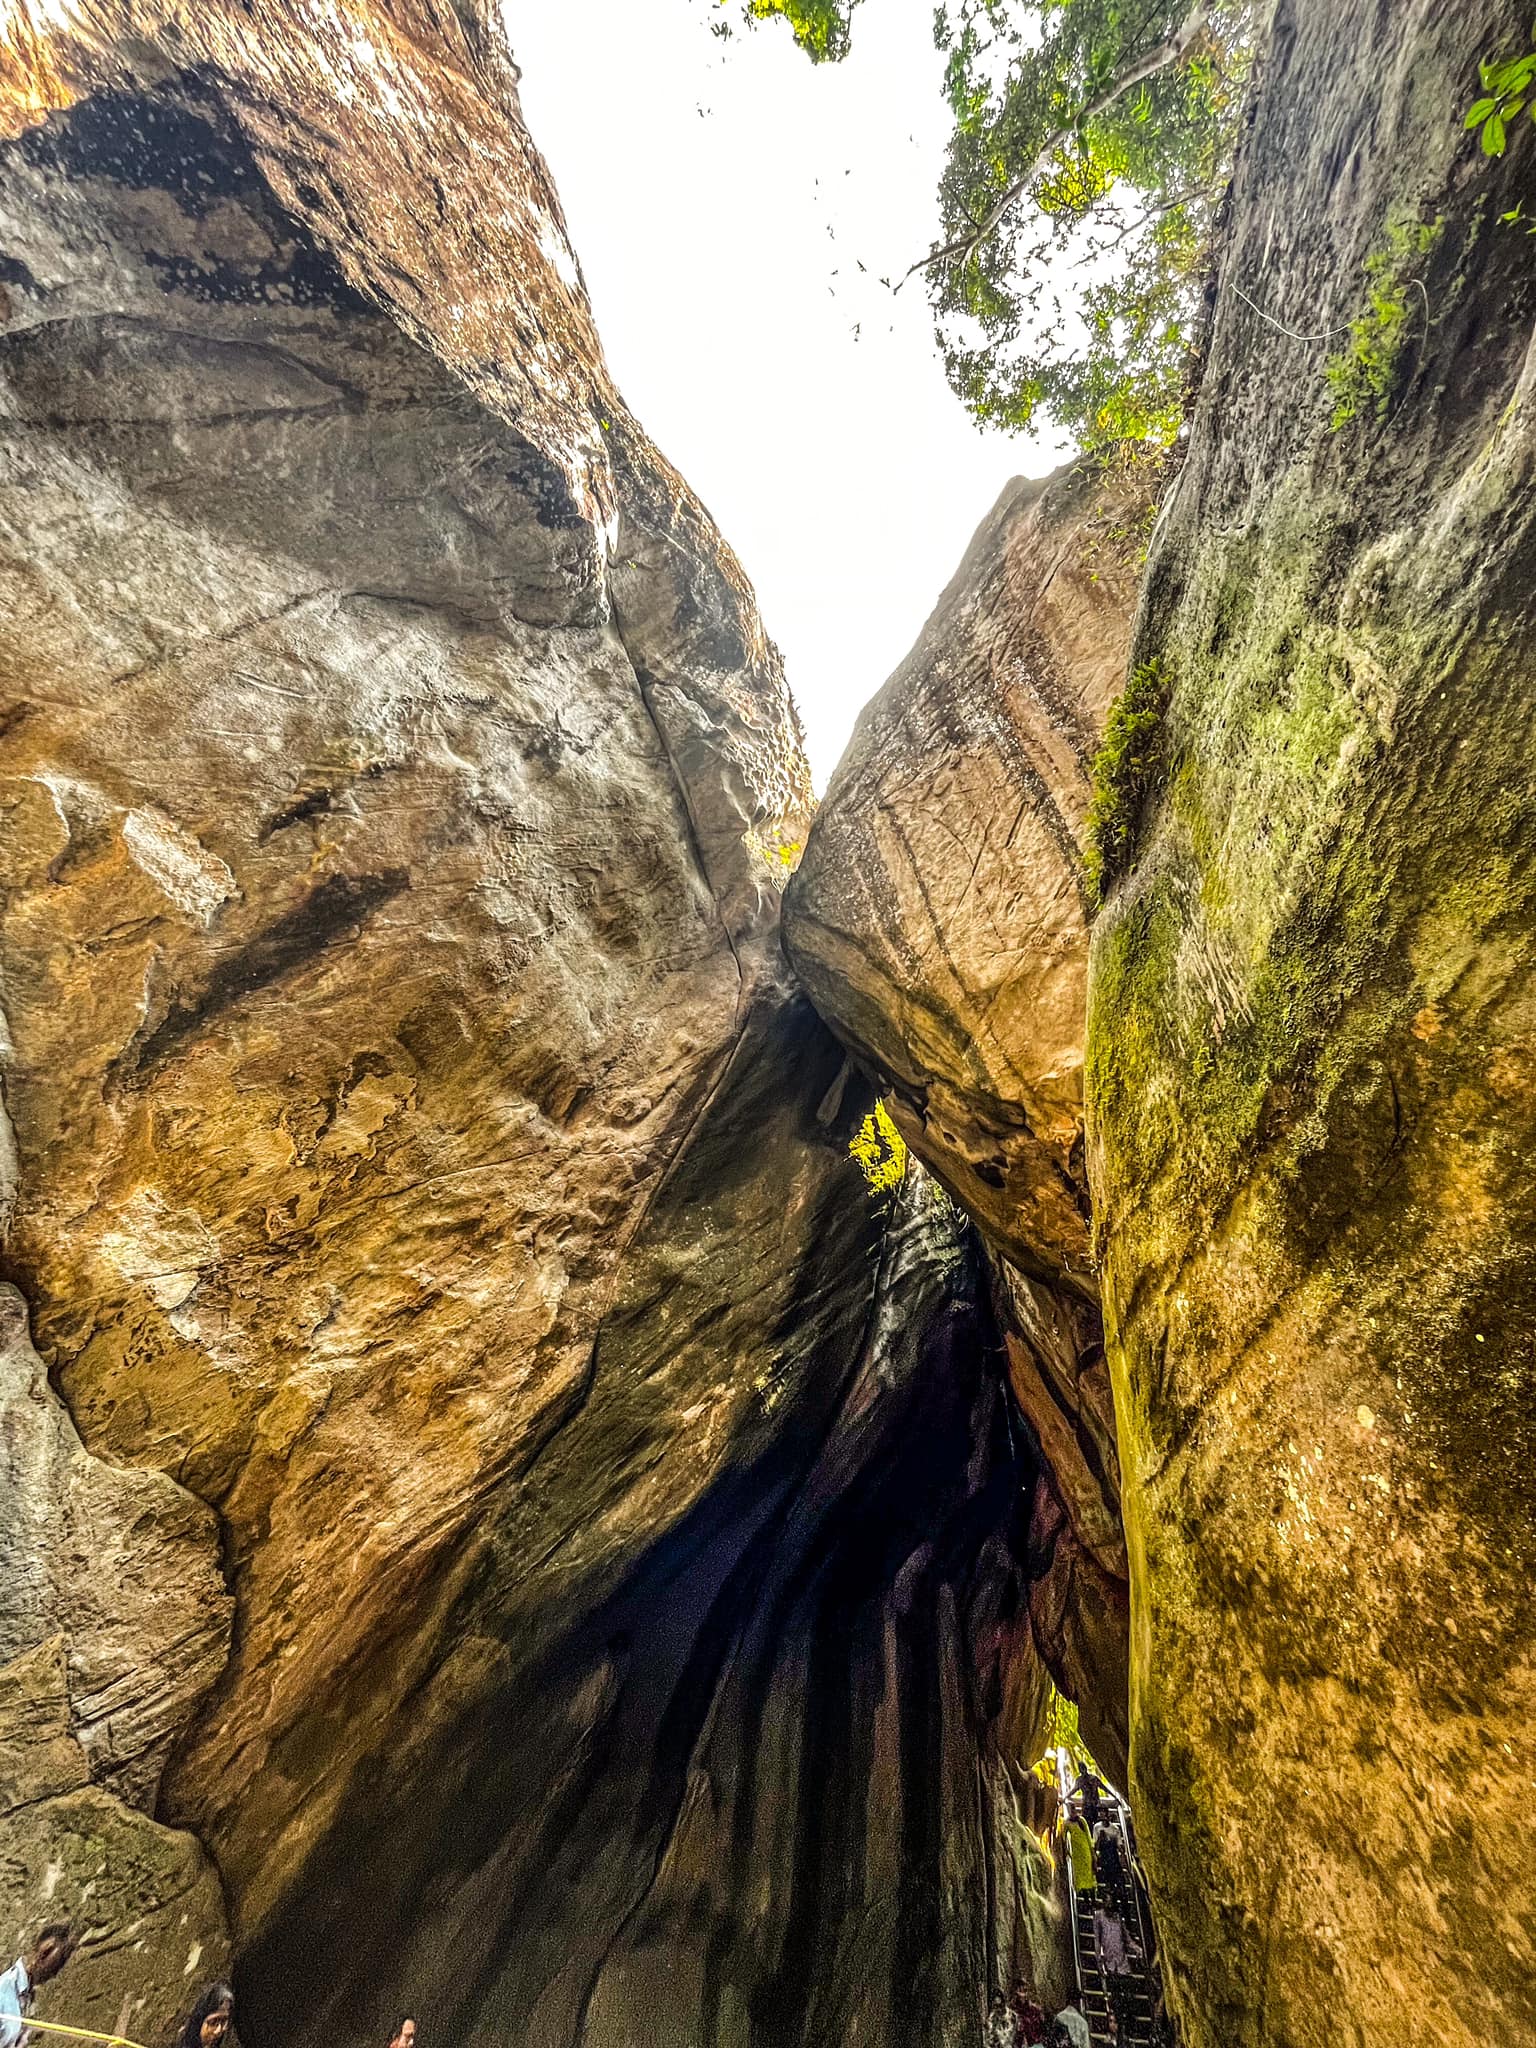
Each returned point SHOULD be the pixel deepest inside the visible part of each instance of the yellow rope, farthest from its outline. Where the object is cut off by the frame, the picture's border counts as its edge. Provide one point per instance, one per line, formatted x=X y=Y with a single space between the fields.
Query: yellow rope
x=30 y=2026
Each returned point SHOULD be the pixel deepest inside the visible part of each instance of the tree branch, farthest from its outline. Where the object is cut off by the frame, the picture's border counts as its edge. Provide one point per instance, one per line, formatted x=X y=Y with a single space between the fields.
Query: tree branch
x=1152 y=213
x=1158 y=58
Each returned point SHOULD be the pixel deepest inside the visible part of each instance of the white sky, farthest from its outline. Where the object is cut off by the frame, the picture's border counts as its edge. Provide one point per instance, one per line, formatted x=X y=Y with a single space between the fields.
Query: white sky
x=720 y=195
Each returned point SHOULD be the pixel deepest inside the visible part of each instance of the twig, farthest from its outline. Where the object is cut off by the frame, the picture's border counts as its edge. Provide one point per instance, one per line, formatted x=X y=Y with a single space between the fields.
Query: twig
x=1280 y=328
x=1418 y=360
x=1162 y=54
x=1152 y=212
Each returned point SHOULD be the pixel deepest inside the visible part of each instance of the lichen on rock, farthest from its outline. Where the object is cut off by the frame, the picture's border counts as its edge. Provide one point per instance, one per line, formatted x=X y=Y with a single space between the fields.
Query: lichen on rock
x=1310 y=1014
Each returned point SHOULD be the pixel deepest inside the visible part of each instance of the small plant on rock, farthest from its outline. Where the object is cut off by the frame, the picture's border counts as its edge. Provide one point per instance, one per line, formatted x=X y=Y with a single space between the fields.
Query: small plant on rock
x=1123 y=773
x=1364 y=375
x=1506 y=94
x=880 y=1150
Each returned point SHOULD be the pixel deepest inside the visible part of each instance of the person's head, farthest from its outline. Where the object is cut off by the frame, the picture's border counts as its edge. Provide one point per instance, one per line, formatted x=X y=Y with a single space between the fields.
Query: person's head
x=404 y=2035
x=1031 y=2018
x=54 y=1946
x=209 y=2021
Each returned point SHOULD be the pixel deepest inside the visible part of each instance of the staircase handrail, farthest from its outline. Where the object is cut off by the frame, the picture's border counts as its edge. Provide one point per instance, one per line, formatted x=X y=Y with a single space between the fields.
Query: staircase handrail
x=31 y=2026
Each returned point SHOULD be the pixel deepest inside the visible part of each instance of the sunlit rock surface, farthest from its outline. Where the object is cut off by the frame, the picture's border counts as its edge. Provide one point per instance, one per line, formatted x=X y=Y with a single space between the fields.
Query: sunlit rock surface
x=1310 y=1082
x=938 y=916
x=432 y=1203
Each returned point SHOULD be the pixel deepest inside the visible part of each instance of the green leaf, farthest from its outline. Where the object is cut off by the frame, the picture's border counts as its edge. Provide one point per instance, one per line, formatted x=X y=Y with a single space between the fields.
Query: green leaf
x=1493 y=136
x=1479 y=111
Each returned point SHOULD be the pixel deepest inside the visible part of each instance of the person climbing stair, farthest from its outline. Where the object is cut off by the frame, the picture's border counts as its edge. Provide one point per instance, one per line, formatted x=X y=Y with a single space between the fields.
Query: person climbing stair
x=1080 y=1852
x=1119 y=1992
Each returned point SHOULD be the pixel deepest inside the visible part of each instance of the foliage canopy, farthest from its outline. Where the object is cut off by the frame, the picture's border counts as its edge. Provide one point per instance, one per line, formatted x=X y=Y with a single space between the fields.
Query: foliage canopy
x=880 y=1151
x=1091 y=147
x=1507 y=93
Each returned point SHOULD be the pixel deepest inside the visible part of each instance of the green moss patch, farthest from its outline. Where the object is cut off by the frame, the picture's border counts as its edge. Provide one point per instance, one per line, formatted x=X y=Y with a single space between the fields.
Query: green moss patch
x=1124 y=772
x=1365 y=375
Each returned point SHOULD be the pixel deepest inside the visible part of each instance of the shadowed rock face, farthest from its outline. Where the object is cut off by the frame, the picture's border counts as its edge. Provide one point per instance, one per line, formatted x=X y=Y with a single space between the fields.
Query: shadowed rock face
x=751 y=1787
x=1311 y=1020
x=1079 y=1596
x=937 y=918
x=432 y=1205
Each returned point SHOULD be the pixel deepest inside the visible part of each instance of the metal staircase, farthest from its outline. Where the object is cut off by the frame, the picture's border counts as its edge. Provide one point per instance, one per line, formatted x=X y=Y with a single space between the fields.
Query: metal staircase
x=1133 y=1994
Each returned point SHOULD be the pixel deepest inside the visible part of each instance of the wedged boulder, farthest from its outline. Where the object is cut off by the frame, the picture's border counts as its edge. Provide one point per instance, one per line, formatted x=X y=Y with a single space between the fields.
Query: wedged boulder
x=938 y=916
x=939 y=921
x=1312 y=1006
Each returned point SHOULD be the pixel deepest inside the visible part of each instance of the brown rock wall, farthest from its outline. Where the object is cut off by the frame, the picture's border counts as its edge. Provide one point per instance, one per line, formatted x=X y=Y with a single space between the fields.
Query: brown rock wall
x=938 y=916
x=938 y=920
x=1311 y=1014
x=114 y=1621
x=419 y=1162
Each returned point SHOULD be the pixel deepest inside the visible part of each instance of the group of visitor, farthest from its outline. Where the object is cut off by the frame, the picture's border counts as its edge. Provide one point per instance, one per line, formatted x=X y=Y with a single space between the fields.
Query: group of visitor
x=1098 y=1866
x=1016 y=2021
x=211 y=2017
x=1100 y=1859
x=1101 y=1873
x=1019 y=2021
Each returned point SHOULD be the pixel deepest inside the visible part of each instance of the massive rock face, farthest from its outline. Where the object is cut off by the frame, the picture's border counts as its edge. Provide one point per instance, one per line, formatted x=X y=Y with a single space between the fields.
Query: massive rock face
x=939 y=920
x=1312 y=1012
x=938 y=917
x=755 y=1795
x=433 y=1205
x=114 y=1620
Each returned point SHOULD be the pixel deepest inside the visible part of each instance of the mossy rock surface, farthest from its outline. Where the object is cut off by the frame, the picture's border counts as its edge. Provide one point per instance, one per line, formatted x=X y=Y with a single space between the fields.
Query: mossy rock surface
x=1312 y=1103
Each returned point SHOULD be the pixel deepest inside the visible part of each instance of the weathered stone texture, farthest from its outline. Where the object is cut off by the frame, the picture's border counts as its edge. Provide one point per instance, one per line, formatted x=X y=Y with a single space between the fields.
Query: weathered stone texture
x=418 y=1157
x=114 y=1621
x=368 y=951
x=716 y=1778
x=938 y=915
x=1310 y=1088
x=939 y=921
